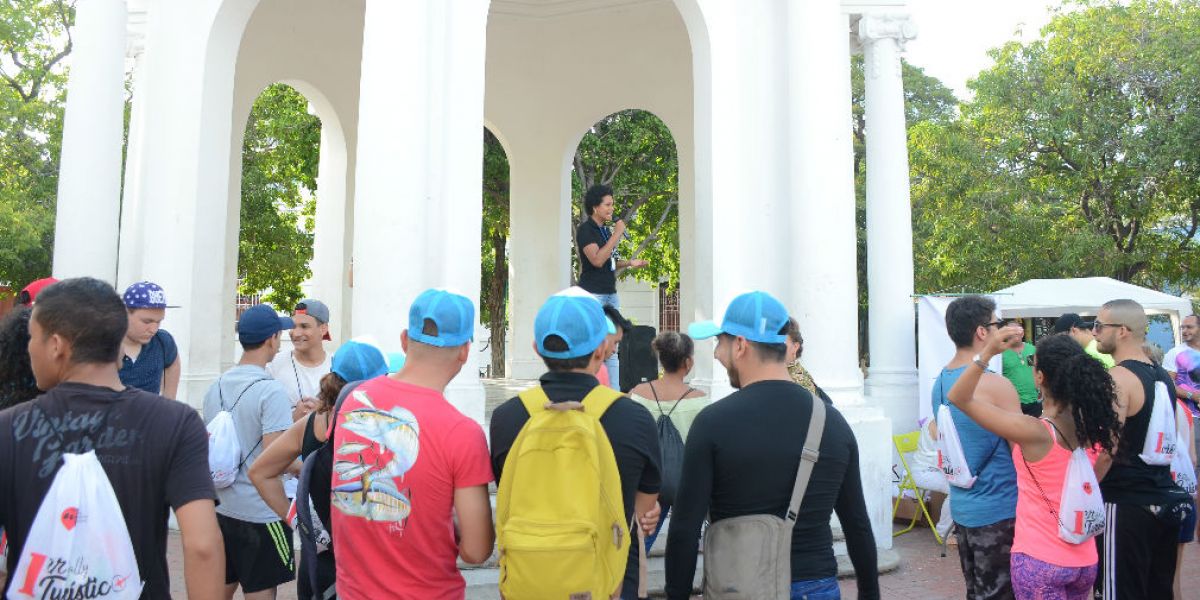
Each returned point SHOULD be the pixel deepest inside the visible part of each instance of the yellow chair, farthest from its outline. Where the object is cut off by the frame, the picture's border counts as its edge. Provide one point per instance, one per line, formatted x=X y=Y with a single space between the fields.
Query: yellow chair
x=906 y=443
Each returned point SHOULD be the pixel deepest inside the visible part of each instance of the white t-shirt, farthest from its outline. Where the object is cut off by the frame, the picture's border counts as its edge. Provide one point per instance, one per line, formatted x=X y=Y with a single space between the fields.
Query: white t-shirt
x=298 y=380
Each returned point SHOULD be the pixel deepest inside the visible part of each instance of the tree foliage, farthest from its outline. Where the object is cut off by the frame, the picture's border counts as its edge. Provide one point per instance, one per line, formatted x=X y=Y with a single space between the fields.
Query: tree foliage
x=35 y=38
x=1079 y=155
x=280 y=155
x=493 y=302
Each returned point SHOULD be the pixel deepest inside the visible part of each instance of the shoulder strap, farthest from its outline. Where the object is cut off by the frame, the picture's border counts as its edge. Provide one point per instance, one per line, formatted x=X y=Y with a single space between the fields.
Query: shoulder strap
x=246 y=389
x=534 y=399
x=599 y=399
x=337 y=408
x=812 y=452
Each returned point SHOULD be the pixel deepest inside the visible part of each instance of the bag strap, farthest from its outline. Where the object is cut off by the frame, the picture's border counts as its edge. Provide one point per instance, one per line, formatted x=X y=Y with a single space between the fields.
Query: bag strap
x=599 y=399
x=942 y=401
x=808 y=458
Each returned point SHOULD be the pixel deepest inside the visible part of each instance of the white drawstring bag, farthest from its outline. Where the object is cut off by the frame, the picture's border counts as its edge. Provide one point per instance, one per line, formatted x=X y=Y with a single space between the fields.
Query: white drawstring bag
x=78 y=546
x=951 y=459
x=1081 y=508
x=1159 y=447
x=1182 y=470
x=224 y=450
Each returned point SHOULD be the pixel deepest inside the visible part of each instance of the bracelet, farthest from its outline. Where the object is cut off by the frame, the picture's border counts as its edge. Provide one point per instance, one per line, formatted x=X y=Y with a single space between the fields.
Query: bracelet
x=982 y=365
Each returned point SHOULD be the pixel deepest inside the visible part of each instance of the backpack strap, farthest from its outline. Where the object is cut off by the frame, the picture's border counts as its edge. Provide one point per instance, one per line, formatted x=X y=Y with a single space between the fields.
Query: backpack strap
x=230 y=410
x=812 y=452
x=599 y=399
x=534 y=399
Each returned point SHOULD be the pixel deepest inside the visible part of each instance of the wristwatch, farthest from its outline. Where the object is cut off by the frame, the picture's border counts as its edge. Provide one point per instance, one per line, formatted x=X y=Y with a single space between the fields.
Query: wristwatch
x=979 y=361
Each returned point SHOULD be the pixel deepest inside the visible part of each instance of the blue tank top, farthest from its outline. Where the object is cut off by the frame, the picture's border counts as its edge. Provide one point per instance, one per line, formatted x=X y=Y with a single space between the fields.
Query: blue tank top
x=993 y=498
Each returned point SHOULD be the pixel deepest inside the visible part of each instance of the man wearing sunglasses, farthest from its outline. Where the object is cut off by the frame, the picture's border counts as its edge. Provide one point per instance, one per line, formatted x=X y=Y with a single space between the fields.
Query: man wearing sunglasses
x=1144 y=508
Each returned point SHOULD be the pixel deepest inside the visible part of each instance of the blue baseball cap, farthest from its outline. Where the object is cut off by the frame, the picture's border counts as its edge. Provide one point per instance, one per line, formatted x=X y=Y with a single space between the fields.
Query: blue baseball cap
x=355 y=361
x=453 y=314
x=575 y=316
x=260 y=322
x=145 y=294
x=756 y=316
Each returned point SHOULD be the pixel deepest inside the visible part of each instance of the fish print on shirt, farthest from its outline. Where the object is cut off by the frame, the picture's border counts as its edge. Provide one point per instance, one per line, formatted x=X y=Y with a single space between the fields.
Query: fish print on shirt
x=371 y=467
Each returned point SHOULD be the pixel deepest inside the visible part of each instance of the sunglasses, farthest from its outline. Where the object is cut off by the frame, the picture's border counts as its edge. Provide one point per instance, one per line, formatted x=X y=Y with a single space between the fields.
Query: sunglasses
x=1098 y=326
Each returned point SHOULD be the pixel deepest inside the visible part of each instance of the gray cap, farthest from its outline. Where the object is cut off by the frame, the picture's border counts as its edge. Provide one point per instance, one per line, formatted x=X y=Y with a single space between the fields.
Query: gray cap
x=313 y=308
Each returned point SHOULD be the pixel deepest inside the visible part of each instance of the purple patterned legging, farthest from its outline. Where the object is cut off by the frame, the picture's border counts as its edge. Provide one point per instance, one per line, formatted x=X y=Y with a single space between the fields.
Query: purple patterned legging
x=1033 y=579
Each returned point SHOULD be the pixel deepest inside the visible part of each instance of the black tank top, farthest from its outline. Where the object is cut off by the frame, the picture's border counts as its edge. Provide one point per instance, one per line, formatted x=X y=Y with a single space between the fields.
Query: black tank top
x=310 y=443
x=1131 y=480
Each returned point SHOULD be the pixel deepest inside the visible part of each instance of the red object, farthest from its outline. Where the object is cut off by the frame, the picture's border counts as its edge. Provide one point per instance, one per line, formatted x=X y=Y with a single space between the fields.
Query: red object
x=602 y=375
x=406 y=519
x=30 y=292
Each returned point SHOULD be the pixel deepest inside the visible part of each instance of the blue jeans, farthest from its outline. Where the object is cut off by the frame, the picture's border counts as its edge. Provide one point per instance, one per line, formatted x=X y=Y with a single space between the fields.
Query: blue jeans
x=816 y=589
x=613 y=365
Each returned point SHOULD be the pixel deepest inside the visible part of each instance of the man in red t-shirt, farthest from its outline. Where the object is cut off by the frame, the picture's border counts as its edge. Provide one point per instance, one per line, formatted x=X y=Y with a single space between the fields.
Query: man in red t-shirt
x=410 y=471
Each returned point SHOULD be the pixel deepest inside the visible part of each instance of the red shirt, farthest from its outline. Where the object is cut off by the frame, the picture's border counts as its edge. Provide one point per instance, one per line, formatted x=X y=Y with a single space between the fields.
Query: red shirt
x=400 y=452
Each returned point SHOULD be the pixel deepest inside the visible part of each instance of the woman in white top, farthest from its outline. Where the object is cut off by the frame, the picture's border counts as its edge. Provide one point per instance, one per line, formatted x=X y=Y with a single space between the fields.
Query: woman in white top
x=671 y=398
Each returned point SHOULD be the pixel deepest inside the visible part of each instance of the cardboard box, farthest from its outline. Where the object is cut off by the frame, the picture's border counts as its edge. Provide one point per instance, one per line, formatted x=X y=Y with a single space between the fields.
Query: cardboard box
x=909 y=507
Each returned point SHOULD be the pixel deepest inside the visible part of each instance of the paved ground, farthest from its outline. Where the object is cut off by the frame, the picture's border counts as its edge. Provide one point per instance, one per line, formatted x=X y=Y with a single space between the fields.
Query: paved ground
x=923 y=573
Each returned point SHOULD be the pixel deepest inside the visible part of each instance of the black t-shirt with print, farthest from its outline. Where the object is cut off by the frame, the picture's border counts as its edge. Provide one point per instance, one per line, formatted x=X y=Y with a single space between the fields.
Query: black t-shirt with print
x=596 y=280
x=154 y=451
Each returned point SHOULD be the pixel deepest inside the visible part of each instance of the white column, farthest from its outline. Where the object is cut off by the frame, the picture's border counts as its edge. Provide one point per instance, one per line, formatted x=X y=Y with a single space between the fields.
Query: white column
x=539 y=242
x=417 y=210
x=822 y=236
x=892 y=382
x=89 y=181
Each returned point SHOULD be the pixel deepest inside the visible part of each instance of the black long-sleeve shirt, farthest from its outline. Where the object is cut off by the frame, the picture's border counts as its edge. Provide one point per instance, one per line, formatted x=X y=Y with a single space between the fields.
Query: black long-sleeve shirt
x=741 y=457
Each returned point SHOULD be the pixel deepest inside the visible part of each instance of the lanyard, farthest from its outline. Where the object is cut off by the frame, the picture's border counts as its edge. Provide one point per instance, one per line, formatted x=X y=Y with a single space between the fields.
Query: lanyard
x=296 y=372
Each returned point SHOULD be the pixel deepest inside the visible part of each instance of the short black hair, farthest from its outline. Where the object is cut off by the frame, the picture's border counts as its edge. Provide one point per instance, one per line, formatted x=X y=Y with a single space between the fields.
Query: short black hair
x=776 y=353
x=86 y=312
x=17 y=383
x=554 y=343
x=967 y=314
x=252 y=347
x=617 y=318
x=594 y=196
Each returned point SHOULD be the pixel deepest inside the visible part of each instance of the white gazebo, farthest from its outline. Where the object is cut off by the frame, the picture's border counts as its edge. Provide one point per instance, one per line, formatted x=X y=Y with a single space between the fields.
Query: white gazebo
x=756 y=93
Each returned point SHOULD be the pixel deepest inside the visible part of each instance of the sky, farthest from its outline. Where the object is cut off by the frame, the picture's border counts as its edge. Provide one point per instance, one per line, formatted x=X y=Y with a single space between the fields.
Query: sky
x=954 y=35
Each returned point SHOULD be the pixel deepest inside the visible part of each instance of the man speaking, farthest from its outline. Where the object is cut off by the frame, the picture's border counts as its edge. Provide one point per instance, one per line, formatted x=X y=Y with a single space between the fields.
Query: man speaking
x=599 y=259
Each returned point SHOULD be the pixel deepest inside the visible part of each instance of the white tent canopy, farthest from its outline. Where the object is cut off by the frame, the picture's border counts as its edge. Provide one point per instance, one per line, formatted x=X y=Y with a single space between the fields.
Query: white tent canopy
x=1085 y=295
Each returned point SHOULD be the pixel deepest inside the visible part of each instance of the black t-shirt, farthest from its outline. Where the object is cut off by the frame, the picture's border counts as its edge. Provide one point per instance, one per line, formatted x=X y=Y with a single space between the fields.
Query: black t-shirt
x=741 y=457
x=629 y=426
x=596 y=280
x=1130 y=480
x=154 y=451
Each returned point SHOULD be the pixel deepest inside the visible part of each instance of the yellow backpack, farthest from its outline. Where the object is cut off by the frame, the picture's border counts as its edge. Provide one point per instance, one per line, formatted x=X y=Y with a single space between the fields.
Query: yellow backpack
x=560 y=521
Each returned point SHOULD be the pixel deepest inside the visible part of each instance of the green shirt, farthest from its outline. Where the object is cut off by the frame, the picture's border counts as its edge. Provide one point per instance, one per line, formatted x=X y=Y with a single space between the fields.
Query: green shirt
x=1017 y=370
x=1104 y=359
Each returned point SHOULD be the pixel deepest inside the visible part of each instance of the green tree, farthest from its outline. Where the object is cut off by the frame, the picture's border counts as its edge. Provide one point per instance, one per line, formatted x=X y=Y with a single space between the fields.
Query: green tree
x=493 y=302
x=280 y=155
x=35 y=38
x=1097 y=125
x=634 y=152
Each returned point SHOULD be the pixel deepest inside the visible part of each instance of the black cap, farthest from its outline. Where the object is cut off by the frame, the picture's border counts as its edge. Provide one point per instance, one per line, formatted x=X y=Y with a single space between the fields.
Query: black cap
x=1070 y=321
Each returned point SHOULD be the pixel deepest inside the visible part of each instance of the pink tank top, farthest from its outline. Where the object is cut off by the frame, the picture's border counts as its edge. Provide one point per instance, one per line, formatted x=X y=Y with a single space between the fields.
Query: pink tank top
x=1036 y=532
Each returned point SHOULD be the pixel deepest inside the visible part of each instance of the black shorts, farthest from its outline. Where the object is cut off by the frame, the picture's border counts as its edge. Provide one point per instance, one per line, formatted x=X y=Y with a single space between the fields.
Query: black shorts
x=257 y=555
